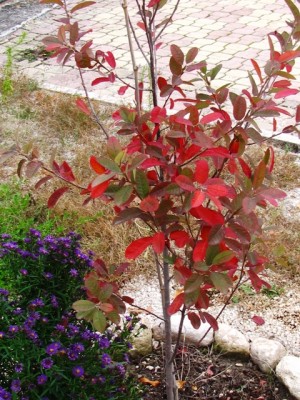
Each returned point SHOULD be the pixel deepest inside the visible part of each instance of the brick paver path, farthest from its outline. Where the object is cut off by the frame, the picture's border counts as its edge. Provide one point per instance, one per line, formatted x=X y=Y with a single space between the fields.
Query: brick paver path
x=226 y=31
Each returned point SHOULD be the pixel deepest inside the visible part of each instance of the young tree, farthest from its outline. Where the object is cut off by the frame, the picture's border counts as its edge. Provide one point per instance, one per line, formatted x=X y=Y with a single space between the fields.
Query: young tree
x=181 y=168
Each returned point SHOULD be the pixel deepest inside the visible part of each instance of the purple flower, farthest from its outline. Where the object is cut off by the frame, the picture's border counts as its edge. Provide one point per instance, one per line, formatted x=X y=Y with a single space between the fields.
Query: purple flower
x=60 y=328
x=47 y=363
x=78 y=371
x=32 y=335
x=101 y=379
x=10 y=245
x=106 y=360
x=37 y=303
x=73 y=272
x=48 y=275
x=15 y=385
x=45 y=320
x=23 y=271
x=121 y=369
x=53 y=348
x=104 y=343
x=42 y=379
x=34 y=232
x=72 y=355
x=43 y=250
x=79 y=347
x=5 y=236
x=54 y=301
x=19 y=368
x=17 y=311
x=4 y=292
x=4 y=394
x=2 y=334
x=13 y=329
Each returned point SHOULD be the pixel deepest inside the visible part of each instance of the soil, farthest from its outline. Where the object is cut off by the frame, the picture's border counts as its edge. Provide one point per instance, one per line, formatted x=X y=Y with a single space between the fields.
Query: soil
x=210 y=376
x=14 y=12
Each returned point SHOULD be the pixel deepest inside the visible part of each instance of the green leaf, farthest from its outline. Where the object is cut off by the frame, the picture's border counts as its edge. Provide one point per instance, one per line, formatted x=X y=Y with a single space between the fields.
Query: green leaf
x=214 y=72
x=221 y=281
x=109 y=164
x=193 y=283
x=293 y=8
x=99 y=321
x=84 y=309
x=122 y=195
x=223 y=257
x=211 y=252
x=259 y=175
x=191 y=298
x=142 y=185
x=105 y=292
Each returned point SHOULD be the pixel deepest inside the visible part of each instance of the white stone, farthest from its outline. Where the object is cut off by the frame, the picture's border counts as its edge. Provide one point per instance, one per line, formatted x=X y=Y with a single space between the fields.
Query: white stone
x=231 y=340
x=266 y=353
x=288 y=371
x=189 y=334
x=142 y=343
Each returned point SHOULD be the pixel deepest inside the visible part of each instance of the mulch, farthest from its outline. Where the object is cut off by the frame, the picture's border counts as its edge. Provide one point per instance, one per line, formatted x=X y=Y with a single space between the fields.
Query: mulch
x=205 y=374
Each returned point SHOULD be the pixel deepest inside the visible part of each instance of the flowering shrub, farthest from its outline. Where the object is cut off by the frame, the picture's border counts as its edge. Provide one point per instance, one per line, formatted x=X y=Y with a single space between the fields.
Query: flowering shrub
x=46 y=353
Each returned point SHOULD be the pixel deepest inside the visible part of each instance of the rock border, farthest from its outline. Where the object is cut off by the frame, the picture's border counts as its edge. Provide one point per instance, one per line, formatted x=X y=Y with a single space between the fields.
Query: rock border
x=269 y=355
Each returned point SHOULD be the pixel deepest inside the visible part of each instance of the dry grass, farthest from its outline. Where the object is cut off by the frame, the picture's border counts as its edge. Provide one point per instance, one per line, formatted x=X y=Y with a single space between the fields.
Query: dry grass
x=52 y=121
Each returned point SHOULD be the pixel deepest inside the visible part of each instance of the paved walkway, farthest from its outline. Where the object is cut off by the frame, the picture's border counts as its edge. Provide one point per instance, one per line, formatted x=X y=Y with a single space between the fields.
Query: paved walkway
x=226 y=31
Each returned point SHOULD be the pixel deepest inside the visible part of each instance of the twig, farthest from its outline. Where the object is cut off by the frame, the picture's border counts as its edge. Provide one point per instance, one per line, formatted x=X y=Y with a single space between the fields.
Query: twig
x=138 y=43
x=97 y=120
x=134 y=66
x=167 y=23
x=147 y=311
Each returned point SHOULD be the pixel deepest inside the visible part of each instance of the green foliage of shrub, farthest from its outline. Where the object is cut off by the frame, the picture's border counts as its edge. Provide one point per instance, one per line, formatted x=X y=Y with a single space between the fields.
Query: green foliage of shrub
x=46 y=353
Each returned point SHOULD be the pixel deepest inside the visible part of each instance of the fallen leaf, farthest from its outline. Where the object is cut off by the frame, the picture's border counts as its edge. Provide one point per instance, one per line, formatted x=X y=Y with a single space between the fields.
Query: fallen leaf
x=258 y=320
x=194 y=388
x=209 y=370
x=147 y=381
x=180 y=384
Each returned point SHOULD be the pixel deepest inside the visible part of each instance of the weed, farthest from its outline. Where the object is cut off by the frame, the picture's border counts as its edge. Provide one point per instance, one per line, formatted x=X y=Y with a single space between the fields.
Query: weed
x=273 y=291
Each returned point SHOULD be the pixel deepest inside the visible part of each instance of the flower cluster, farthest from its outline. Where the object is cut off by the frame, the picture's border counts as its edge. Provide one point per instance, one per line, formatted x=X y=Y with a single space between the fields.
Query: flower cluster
x=52 y=354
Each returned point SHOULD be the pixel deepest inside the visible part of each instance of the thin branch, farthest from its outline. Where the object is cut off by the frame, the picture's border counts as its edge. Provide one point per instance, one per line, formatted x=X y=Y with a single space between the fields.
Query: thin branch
x=147 y=311
x=138 y=43
x=97 y=120
x=168 y=22
x=134 y=65
x=179 y=333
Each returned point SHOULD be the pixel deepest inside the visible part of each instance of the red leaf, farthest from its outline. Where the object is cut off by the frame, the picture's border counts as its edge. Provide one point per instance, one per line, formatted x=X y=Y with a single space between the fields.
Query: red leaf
x=249 y=204
x=98 y=190
x=82 y=5
x=65 y=172
x=158 y=115
x=200 y=250
x=127 y=299
x=245 y=167
x=195 y=319
x=42 y=181
x=152 y=3
x=149 y=204
x=216 y=152
x=158 y=242
x=259 y=175
x=211 y=217
x=257 y=69
x=141 y=25
x=285 y=93
x=177 y=54
x=298 y=114
x=258 y=320
x=288 y=56
x=122 y=90
x=100 y=80
x=282 y=83
x=239 y=108
x=191 y=55
x=176 y=304
x=137 y=247
x=185 y=183
x=211 y=117
x=110 y=59
x=83 y=107
x=217 y=190
x=181 y=238
x=197 y=199
x=201 y=171
x=211 y=320
x=96 y=166
x=53 y=199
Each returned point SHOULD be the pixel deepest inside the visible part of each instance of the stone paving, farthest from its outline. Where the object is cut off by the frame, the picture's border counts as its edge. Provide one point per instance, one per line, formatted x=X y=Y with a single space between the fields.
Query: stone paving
x=229 y=32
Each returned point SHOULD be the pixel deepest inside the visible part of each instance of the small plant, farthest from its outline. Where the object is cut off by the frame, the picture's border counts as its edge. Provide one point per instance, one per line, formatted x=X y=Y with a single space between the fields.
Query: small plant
x=46 y=353
x=273 y=291
x=7 y=86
